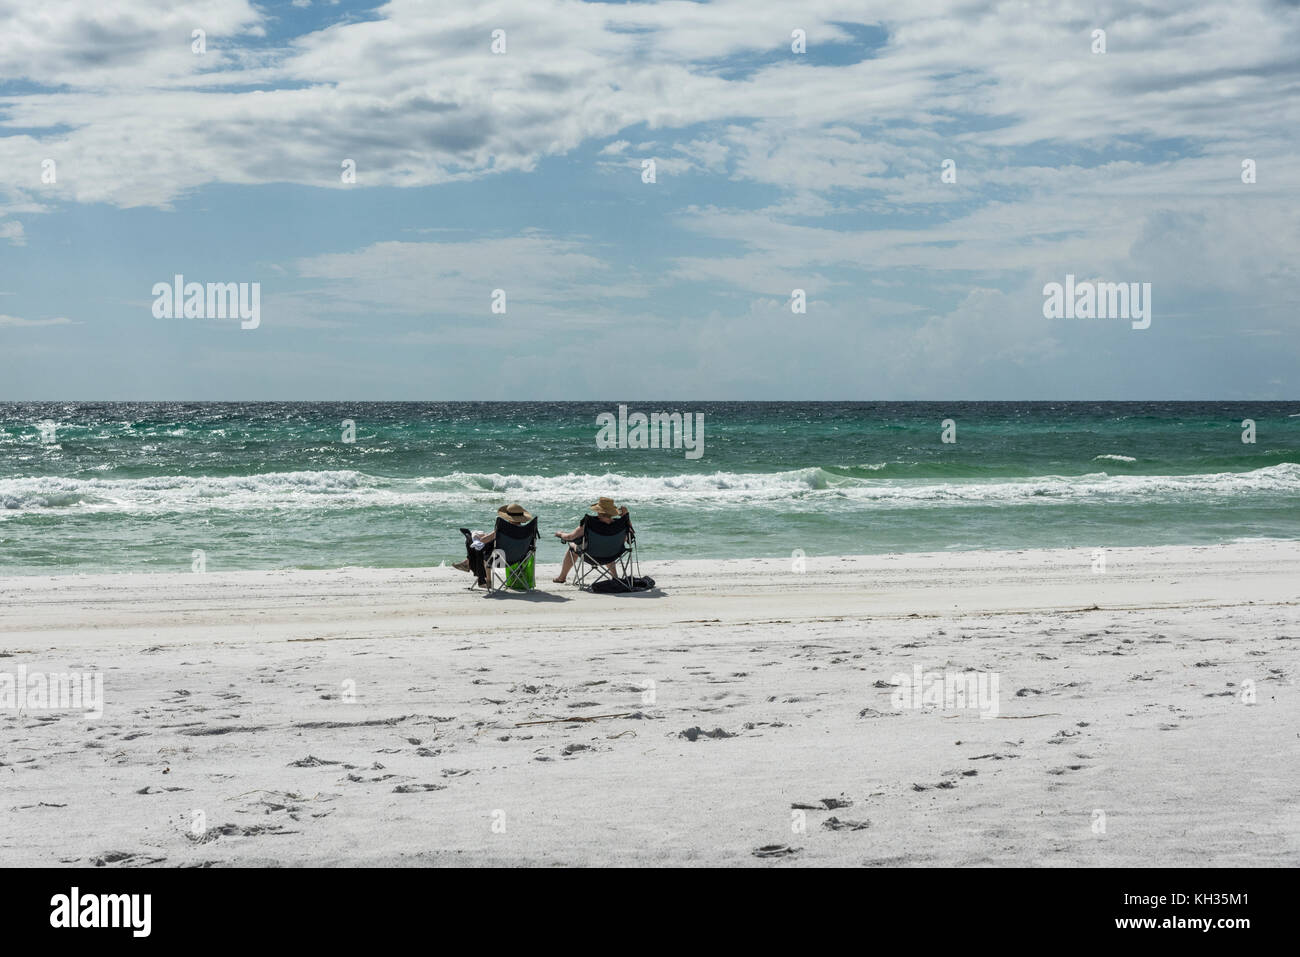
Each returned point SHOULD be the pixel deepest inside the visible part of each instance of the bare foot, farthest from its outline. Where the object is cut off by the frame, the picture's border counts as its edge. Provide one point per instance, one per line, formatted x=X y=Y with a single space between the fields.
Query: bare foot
x=558 y=581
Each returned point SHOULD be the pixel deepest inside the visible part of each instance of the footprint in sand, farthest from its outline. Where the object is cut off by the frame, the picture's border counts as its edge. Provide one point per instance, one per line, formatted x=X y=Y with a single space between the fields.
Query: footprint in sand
x=236 y=830
x=835 y=824
x=125 y=858
x=873 y=713
x=358 y=779
x=694 y=734
x=825 y=804
x=228 y=729
x=776 y=850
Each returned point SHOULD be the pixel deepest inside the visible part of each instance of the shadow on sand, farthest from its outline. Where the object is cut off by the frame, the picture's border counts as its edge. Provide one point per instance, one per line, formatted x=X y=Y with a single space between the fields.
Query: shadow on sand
x=540 y=596
x=545 y=596
x=655 y=592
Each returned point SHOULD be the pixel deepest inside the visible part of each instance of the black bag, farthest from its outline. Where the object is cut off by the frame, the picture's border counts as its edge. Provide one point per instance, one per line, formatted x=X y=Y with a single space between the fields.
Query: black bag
x=621 y=586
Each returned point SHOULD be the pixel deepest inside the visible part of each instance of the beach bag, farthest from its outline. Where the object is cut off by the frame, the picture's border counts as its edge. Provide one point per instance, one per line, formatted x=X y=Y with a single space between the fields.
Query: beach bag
x=621 y=586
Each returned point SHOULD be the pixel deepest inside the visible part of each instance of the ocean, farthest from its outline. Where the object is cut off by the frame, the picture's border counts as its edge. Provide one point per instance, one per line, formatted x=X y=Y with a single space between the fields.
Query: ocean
x=119 y=487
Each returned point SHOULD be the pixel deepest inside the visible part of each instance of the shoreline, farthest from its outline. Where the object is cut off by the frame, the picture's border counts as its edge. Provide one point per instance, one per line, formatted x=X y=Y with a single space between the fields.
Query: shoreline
x=456 y=553
x=227 y=695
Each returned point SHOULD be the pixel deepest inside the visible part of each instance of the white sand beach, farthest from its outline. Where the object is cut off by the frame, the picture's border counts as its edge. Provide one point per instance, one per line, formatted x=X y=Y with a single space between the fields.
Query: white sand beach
x=1124 y=732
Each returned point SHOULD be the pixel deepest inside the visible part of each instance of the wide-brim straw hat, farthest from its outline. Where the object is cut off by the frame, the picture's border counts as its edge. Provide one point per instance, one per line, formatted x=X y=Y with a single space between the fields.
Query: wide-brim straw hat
x=514 y=512
x=605 y=506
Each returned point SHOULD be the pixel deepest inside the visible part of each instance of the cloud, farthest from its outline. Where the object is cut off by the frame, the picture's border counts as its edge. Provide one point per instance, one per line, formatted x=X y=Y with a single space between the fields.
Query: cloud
x=122 y=45
x=775 y=171
x=138 y=119
x=440 y=279
x=15 y=322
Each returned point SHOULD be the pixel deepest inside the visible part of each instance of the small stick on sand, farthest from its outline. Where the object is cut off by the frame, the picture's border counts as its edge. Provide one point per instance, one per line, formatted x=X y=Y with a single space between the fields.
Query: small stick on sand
x=520 y=724
x=1010 y=717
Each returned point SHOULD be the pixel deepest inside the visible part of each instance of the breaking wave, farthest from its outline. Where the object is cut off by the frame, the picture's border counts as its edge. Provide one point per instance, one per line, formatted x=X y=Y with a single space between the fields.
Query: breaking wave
x=808 y=488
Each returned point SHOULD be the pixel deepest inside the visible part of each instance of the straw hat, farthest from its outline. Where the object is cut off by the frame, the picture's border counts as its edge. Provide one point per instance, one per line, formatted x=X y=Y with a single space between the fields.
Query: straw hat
x=605 y=506
x=514 y=513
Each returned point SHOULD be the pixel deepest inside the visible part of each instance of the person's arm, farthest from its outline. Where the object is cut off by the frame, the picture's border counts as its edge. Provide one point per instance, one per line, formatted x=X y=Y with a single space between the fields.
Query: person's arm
x=489 y=538
x=572 y=536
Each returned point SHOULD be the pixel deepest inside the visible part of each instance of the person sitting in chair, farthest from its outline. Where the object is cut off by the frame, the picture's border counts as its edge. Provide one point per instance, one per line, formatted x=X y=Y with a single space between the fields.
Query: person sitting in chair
x=478 y=551
x=606 y=512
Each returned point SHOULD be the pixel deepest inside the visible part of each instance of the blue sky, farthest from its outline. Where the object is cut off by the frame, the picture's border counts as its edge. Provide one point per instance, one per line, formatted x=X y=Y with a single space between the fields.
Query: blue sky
x=522 y=171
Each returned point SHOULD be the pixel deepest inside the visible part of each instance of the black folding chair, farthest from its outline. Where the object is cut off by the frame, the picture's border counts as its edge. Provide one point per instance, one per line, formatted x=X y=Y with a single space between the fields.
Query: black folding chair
x=513 y=545
x=604 y=546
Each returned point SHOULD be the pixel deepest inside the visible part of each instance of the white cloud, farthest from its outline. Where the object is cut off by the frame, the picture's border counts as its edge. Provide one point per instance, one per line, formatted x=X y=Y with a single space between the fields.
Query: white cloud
x=439 y=279
x=121 y=44
x=14 y=322
x=140 y=119
x=1123 y=165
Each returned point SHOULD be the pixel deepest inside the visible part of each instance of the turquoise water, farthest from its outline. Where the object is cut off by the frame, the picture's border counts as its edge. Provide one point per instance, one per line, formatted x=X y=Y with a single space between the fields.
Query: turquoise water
x=140 y=486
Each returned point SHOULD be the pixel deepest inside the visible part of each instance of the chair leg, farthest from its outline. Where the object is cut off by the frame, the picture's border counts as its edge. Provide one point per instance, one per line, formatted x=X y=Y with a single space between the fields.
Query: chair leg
x=598 y=572
x=511 y=575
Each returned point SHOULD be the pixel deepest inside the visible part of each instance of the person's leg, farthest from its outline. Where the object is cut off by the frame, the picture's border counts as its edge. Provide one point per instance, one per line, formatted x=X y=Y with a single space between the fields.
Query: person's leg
x=464 y=566
x=568 y=564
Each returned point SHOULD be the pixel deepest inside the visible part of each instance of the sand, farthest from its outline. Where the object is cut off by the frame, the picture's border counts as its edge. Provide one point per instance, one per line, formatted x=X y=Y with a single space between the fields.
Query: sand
x=1146 y=715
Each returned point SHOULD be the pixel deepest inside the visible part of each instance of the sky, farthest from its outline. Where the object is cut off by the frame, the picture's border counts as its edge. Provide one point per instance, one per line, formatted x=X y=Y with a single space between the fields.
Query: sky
x=131 y=152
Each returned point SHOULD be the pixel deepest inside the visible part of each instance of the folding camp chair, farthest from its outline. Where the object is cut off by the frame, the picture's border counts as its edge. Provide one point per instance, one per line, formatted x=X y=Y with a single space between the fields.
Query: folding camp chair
x=515 y=546
x=602 y=545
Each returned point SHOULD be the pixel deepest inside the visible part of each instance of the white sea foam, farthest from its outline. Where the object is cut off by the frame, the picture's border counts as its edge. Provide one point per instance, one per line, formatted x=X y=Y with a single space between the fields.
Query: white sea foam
x=799 y=489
